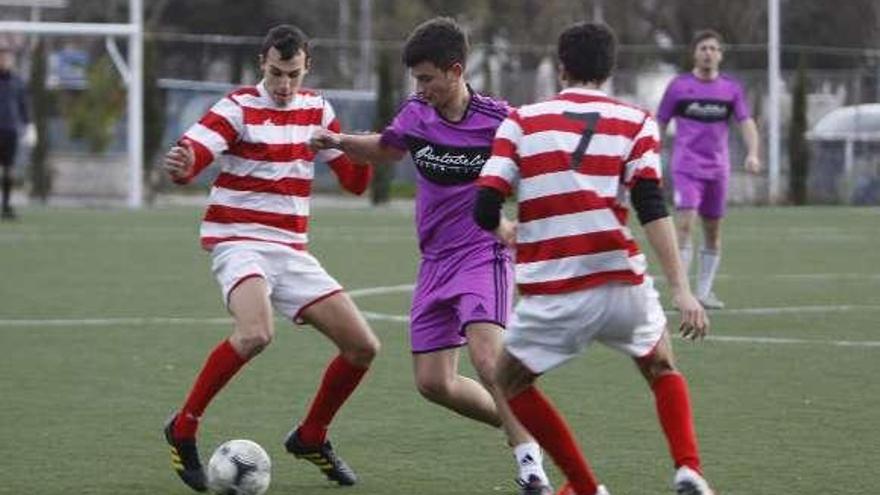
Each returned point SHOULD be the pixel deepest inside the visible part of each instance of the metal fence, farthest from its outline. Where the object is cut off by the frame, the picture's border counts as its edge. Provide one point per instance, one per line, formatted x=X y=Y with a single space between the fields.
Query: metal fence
x=522 y=74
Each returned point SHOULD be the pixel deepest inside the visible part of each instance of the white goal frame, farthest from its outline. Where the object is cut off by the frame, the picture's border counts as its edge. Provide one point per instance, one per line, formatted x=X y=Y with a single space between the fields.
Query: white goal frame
x=132 y=75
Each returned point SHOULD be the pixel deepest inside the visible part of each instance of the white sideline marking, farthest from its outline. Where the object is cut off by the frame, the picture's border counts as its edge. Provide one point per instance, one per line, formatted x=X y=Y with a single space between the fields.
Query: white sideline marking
x=777 y=340
x=388 y=289
x=402 y=288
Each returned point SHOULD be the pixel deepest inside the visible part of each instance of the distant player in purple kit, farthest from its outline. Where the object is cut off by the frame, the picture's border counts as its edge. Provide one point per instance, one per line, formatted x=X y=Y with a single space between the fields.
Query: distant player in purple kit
x=702 y=102
x=465 y=283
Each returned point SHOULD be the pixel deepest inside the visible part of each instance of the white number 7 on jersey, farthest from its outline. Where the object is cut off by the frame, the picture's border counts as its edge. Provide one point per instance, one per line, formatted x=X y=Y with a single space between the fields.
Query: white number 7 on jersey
x=590 y=119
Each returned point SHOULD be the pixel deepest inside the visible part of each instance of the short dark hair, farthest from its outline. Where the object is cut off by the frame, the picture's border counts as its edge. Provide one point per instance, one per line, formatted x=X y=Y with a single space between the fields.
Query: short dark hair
x=287 y=39
x=588 y=51
x=440 y=41
x=706 y=34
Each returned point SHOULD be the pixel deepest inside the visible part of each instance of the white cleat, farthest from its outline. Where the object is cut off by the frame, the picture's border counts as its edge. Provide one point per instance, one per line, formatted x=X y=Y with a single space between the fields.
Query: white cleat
x=602 y=490
x=689 y=482
x=711 y=301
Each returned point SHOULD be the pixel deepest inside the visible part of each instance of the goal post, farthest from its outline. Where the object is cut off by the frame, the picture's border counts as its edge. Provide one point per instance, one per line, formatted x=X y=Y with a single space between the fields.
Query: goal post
x=134 y=31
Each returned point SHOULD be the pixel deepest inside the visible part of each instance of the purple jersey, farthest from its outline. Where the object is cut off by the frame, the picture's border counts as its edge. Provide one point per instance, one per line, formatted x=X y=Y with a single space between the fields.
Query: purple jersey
x=449 y=157
x=702 y=110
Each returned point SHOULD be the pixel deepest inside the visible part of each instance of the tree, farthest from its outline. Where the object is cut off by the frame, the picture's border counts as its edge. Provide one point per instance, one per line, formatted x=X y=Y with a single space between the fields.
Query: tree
x=93 y=113
x=385 y=106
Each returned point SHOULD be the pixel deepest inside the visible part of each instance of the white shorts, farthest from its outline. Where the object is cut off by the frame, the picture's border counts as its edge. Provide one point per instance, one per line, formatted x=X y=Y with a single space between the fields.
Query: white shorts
x=548 y=330
x=295 y=278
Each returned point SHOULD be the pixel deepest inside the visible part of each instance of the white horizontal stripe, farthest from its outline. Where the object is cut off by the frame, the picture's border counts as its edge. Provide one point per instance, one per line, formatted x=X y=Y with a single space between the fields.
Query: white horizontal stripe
x=649 y=160
x=584 y=222
x=607 y=110
x=270 y=203
x=301 y=102
x=207 y=138
x=501 y=167
x=227 y=109
x=328 y=115
x=550 y=141
x=299 y=169
x=577 y=266
x=565 y=182
x=510 y=130
x=280 y=134
x=328 y=155
x=251 y=230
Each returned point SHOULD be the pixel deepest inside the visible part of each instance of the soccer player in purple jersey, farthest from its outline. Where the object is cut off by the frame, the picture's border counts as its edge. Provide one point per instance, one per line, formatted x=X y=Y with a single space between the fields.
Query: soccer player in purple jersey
x=702 y=102
x=465 y=283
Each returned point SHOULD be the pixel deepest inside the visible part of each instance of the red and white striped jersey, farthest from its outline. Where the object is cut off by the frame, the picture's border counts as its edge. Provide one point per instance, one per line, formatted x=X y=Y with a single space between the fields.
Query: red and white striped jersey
x=266 y=166
x=571 y=161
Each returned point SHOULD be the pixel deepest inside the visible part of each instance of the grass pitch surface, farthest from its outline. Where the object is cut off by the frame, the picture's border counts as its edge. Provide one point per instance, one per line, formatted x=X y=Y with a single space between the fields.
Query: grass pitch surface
x=106 y=317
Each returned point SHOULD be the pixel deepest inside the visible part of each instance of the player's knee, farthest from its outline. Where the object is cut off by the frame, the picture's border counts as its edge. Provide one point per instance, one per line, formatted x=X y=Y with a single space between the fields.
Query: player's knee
x=252 y=343
x=485 y=367
x=656 y=366
x=363 y=353
x=433 y=388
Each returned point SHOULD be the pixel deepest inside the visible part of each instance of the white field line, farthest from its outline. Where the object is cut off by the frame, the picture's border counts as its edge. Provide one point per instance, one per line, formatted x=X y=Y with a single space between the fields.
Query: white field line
x=375 y=316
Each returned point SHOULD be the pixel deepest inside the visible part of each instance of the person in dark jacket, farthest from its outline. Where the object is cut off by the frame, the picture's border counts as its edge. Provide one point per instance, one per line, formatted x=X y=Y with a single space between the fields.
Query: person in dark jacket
x=14 y=118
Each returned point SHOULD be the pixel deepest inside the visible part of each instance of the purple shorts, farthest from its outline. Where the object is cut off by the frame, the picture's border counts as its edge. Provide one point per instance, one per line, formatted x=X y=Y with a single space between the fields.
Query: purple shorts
x=452 y=292
x=707 y=196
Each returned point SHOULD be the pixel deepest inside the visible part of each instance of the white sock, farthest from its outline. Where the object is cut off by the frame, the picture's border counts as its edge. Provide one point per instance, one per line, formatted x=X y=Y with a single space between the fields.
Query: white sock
x=530 y=461
x=709 y=261
x=686 y=254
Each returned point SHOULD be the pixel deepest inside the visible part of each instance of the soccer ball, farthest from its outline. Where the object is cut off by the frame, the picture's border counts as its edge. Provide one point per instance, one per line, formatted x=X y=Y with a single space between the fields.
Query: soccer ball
x=239 y=467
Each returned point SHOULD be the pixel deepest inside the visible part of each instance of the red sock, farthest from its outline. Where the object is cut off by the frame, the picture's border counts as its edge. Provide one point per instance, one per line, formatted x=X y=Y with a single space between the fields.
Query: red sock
x=674 y=410
x=544 y=422
x=221 y=366
x=340 y=380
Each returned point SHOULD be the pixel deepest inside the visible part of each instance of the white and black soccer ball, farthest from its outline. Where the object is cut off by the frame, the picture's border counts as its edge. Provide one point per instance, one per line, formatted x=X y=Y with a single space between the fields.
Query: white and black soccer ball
x=239 y=467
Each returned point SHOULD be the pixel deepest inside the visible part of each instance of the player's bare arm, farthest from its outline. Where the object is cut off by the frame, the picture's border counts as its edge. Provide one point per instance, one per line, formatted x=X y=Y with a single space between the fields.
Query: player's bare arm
x=361 y=147
x=646 y=196
x=750 y=135
x=179 y=160
x=661 y=236
x=506 y=231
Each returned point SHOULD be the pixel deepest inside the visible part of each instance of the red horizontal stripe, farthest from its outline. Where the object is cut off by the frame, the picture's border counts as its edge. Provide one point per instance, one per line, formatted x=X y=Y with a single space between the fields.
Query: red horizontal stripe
x=580 y=283
x=221 y=126
x=272 y=152
x=645 y=174
x=203 y=158
x=622 y=214
x=209 y=242
x=575 y=245
x=558 y=122
x=561 y=204
x=642 y=146
x=559 y=161
x=503 y=147
x=229 y=214
x=494 y=182
x=274 y=116
x=334 y=126
x=288 y=186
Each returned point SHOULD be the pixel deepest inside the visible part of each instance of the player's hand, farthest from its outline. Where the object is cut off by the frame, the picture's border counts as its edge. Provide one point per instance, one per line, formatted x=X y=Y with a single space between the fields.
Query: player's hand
x=506 y=232
x=322 y=139
x=694 y=321
x=179 y=160
x=753 y=164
